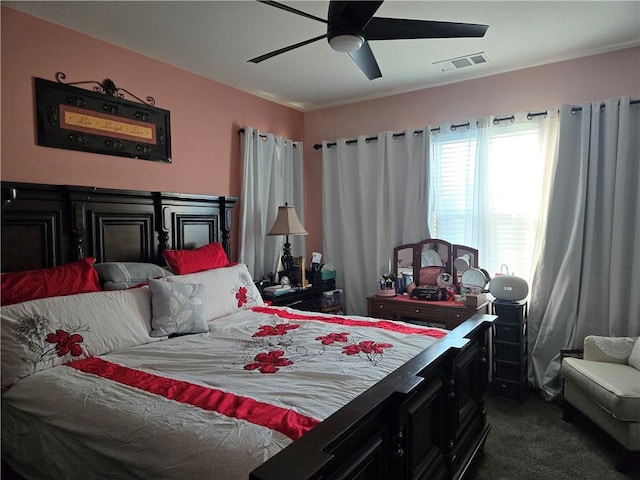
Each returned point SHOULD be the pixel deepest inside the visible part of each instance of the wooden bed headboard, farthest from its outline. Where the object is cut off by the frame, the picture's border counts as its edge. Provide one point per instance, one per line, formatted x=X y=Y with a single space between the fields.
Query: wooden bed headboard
x=48 y=225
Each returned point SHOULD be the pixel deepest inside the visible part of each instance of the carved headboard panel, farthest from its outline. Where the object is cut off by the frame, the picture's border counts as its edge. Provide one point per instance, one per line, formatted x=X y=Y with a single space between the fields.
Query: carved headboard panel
x=189 y=219
x=32 y=228
x=48 y=225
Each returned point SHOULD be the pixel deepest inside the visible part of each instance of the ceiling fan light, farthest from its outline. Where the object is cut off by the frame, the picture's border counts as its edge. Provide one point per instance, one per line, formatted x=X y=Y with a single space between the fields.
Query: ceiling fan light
x=346 y=43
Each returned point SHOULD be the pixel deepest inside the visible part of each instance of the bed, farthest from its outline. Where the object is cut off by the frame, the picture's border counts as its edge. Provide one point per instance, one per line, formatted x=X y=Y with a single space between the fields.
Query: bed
x=255 y=391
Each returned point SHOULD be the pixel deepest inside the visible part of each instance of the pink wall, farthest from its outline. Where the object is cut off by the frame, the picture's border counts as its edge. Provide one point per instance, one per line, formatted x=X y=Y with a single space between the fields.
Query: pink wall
x=571 y=82
x=205 y=115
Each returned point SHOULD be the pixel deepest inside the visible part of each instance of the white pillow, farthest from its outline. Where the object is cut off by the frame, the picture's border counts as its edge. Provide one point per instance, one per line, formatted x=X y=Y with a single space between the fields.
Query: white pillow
x=43 y=333
x=634 y=358
x=226 y=290
x=608 y=349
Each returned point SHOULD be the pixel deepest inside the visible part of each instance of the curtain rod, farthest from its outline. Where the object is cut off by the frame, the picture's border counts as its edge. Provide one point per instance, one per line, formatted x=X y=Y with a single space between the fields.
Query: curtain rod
x=264 y=137
x=496 y=121
x=602 y=105
x=453 y=128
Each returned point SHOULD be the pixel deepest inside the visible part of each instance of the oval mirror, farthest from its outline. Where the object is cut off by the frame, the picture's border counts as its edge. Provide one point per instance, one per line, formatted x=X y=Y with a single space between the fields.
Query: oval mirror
x=475 y=280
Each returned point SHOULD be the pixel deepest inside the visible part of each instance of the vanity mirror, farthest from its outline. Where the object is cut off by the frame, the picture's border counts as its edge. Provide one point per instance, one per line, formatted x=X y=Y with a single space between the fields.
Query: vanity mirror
x=403 y=260
x=418 y=262
x=426 y=260
x=434 y=258
x=403 y=265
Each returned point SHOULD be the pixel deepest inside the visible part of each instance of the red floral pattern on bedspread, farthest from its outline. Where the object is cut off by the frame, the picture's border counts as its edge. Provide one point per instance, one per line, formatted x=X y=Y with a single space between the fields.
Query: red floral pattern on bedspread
x=334 y=337
x=279 y=329
x=282 y=344
x=269 y=362
x=371 y=350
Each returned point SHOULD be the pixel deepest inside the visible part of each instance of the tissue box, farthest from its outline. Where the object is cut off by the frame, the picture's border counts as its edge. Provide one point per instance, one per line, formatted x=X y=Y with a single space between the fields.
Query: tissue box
x=476 y=299
x=328 y=274
x=331 y=298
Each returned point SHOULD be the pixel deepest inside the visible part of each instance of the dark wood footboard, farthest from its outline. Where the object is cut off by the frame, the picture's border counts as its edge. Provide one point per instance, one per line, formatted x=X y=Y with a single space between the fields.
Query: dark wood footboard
x=427 y=420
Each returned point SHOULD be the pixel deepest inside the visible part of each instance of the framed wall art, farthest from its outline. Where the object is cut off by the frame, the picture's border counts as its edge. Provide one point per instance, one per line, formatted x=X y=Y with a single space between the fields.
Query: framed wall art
x=101 y=120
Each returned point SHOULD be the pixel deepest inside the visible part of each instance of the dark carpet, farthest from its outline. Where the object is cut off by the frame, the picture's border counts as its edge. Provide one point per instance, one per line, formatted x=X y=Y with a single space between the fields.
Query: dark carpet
x=529 y=440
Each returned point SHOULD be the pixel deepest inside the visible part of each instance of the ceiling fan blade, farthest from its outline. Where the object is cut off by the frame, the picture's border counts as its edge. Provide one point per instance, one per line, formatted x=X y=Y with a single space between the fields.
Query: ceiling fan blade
x=285 y=49
x=292 y=10
x=380 y=28
x=366 y=61
x=358 y=13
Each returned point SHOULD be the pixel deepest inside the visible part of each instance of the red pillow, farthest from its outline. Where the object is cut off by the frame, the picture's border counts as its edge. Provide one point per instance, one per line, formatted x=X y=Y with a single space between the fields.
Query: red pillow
x=69 y=279
x=192 y=261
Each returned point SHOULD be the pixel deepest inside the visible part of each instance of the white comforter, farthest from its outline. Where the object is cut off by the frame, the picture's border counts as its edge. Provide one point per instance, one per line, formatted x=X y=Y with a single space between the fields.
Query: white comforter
x=203 y=406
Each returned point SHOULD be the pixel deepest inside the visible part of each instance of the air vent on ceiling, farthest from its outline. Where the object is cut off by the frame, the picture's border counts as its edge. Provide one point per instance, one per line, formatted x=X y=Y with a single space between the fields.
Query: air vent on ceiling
x=461 y=62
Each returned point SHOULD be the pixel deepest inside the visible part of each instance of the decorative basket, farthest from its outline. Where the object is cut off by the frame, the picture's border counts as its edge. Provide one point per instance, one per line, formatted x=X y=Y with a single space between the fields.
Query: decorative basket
x=387 y=292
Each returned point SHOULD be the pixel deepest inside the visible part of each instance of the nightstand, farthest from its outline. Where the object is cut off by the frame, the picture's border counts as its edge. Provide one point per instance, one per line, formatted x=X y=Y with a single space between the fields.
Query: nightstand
x=307 y=299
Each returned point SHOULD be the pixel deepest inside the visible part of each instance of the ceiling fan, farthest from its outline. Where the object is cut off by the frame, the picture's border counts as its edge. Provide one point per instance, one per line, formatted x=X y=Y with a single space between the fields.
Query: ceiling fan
x=350 y=25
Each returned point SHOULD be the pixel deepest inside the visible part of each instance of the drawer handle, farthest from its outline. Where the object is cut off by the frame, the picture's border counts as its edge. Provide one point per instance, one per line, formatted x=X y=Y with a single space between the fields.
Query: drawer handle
x=457 y=315
x=380 y=306
x=417 y=310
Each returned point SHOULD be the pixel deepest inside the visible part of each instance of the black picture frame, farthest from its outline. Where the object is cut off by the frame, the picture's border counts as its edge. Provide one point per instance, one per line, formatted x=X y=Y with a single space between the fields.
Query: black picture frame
x=74 y=118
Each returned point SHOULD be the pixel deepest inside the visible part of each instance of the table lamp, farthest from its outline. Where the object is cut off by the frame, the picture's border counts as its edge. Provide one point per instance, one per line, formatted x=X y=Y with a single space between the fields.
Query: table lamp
x=287 y=223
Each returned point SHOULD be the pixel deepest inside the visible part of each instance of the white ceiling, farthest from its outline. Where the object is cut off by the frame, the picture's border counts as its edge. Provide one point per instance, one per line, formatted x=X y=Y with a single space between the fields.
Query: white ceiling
x=216 y=38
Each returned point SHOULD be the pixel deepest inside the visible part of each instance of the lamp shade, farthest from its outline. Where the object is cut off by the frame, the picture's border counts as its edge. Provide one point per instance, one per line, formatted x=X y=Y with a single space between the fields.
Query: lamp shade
x=463 y=262
x=287 y=222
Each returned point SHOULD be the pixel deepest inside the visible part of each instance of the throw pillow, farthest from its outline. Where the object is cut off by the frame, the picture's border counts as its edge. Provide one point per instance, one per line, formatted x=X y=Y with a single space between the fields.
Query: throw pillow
x=197 y=260
x=226 y=290
x=122 y=275
x=47 y=332
x=68 y=279
x=177 y=308
x=608 y=349
x=634 y=358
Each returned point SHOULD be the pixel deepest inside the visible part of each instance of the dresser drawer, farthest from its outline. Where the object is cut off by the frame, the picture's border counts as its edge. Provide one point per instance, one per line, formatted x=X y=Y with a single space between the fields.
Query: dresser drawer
x=509 y=390
x=509 y=313
x=455 y=317
x=422 y=312
x=514 y=372
x=381 y=310
x=511 y=352
x=510 y=332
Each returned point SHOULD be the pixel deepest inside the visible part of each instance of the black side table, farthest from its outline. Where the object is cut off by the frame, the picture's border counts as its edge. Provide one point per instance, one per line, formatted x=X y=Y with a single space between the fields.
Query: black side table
x=308 y=299
x=510 y=350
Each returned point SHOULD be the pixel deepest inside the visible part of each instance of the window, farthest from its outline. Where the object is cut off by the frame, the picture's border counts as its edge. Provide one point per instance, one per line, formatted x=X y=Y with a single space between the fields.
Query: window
x=487 y=190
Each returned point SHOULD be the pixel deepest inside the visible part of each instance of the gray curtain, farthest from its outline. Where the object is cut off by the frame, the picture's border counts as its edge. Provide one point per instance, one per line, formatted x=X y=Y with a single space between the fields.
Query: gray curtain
x=373 y=199
x=272 y=175
x=587 y=281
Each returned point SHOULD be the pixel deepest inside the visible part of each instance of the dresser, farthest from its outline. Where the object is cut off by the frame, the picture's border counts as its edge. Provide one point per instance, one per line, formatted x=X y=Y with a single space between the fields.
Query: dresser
x=510 y=350
x=443 y=314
